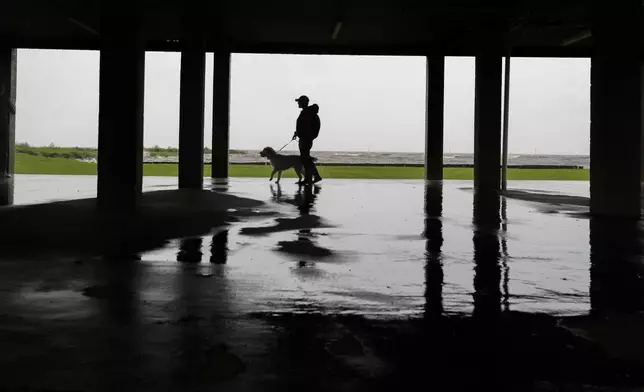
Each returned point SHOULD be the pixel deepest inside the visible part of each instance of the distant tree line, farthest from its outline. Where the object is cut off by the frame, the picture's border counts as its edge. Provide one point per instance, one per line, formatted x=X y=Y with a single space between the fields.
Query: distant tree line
x=81 y=153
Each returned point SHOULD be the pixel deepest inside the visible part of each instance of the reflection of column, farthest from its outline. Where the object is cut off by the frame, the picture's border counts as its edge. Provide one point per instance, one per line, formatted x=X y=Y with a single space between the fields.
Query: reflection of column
x=433 y=244
x=190 y=250
x=188 y=361
x=615 y=284
x=220 y=184
x=505 y=257
x=219 y=248
x=118 y=287
x=203 y=312
x=487 y=271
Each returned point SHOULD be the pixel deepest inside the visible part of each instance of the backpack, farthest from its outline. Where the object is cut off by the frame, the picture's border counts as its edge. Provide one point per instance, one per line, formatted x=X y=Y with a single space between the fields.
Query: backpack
x=315 y=121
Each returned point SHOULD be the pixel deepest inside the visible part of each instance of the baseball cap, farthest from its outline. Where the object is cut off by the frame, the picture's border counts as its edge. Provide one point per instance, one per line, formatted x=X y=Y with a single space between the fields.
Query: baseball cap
x=302 y=98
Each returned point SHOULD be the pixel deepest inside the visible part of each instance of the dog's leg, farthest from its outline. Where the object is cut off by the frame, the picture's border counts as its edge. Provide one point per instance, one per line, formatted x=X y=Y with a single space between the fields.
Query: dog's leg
x=279 y=177
x=298 y=171
x=273 y=174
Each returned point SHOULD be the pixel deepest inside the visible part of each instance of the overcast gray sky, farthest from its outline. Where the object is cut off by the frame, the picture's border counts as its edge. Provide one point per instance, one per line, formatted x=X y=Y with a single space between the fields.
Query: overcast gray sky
x=366 y=103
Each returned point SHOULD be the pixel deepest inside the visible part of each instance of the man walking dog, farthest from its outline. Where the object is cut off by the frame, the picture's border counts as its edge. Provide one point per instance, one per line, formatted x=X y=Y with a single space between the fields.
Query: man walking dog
x=307 y=129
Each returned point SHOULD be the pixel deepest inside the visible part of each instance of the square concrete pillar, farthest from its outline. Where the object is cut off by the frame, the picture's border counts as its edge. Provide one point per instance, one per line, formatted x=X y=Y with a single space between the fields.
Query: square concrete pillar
x=191 y=113
x=8 y=61
x=220 y=115
x=616 y=110
x=120 y=124
x=487 y=122
x=434 y=118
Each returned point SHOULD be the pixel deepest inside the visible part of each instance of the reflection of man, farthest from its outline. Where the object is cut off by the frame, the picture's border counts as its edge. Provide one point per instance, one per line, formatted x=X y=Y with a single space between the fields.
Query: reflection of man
x=307 y=129
x=305 y=203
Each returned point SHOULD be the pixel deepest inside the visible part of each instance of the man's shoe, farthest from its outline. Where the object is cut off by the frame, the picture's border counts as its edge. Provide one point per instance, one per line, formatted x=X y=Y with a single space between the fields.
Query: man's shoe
x=317 y=179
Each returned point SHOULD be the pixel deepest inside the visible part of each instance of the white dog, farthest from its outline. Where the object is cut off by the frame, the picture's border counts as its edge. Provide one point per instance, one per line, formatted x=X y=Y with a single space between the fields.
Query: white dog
x=282 y=162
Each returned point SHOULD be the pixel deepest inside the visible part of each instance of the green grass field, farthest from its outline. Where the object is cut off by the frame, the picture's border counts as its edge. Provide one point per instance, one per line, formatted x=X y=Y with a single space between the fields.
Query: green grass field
x=31 y=164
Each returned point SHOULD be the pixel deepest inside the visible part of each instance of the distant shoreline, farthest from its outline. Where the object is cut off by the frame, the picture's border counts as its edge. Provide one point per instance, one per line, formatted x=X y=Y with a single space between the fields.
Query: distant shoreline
x=402 y=165
x=37 y=164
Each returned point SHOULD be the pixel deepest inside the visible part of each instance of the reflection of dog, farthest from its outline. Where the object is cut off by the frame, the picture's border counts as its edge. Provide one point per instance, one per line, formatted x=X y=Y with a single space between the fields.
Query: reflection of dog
x=283 y=162
x=277 y=195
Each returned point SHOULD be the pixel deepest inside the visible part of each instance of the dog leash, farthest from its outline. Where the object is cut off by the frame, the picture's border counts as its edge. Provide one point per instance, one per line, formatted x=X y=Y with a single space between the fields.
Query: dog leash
x=291 y=141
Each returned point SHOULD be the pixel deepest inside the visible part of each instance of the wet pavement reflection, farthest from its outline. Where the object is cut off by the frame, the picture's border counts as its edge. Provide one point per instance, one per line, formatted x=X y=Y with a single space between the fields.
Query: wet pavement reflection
x=357 y=257
x=396 y=248
x=344 y=287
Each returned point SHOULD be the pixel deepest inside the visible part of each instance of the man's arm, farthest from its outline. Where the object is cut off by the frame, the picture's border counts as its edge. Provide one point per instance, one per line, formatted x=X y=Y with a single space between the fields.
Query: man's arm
x=298 y=126
x=12 y=108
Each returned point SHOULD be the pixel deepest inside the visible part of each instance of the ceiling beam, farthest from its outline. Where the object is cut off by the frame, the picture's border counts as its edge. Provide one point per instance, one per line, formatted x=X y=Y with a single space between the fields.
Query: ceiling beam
x=295 y=48
x=579 y=37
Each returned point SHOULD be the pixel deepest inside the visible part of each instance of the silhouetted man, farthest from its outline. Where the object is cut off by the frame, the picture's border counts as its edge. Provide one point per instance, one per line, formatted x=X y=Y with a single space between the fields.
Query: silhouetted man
x=307 y=129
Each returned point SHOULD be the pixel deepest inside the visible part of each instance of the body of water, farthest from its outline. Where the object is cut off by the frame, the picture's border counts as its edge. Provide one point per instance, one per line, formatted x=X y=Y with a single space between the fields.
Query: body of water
x=397 y=158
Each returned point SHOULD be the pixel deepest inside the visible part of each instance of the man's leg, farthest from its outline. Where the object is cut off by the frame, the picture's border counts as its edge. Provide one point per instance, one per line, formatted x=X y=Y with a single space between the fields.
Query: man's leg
x=316 y=174
x=314 y=170
x=305 y=156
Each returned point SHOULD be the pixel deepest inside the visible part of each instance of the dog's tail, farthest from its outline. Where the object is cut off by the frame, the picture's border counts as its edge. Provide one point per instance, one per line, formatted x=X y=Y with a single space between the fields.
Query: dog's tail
x=314 y=159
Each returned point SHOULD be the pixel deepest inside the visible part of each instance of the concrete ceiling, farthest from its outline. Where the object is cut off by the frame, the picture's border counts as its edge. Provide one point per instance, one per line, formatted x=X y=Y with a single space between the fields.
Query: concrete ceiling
x=451 y=27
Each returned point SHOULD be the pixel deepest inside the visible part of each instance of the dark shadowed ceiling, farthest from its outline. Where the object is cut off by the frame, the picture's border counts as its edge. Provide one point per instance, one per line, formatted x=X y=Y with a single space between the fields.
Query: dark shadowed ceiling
x=456 y=27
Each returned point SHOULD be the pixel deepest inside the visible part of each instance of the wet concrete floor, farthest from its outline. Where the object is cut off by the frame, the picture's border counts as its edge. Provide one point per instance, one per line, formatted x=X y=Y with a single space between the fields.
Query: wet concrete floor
x=352 y=285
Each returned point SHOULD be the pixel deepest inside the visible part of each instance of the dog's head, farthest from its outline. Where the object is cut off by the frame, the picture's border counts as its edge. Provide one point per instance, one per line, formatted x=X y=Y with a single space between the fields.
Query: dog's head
x=267 y=152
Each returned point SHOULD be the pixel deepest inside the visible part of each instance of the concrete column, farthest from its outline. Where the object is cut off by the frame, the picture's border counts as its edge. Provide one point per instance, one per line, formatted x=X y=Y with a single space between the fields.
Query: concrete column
x=7 y=122
x=120 y=122
x=616 y=110
x=434 y=118
x=191 y=113
x=487 y=122
x=220 y=115
x=506 y=123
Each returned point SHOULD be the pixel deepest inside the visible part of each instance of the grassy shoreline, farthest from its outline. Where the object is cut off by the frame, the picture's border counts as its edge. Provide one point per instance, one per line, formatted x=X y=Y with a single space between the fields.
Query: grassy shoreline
x=37 y=164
